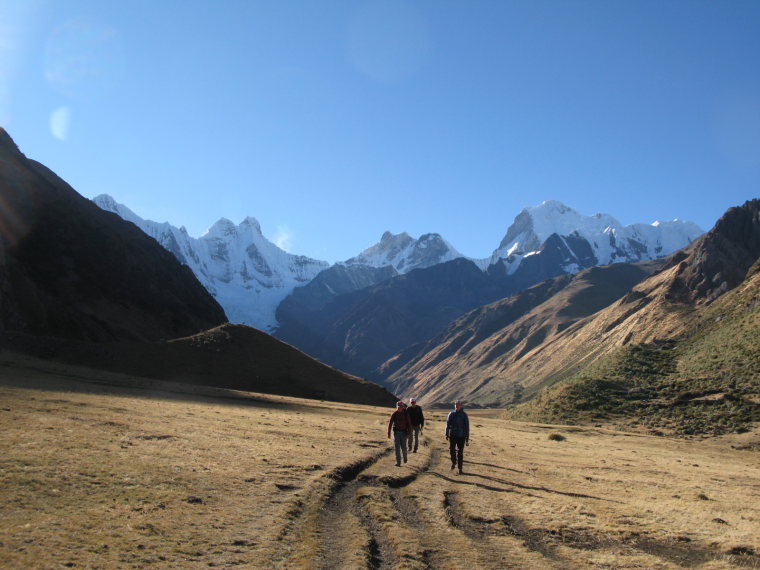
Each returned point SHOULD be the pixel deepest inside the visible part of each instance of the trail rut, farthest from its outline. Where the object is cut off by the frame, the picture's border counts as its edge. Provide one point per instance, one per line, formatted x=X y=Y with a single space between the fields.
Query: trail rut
x=375 y=516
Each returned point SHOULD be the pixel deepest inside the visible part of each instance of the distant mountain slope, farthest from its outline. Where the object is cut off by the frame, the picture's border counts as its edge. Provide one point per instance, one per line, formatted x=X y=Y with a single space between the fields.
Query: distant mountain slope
x=469 y=358
x=260 y=285
x=69 y=269
x=359 y=330
x=544 y=242
x=245 y=272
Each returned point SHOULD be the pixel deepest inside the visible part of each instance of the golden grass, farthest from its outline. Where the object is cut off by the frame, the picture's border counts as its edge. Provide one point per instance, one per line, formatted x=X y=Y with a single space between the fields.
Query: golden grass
x=98 y=471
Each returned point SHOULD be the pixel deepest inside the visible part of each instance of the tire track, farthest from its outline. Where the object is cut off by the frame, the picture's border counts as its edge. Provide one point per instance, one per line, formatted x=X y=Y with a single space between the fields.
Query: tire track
x=349 y=535
x=544 y=541
x=479 y=530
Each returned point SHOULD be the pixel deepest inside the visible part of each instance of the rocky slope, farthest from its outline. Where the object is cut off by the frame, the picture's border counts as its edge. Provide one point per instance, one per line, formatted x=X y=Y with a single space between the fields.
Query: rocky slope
x=359 y=330
x=332 y=322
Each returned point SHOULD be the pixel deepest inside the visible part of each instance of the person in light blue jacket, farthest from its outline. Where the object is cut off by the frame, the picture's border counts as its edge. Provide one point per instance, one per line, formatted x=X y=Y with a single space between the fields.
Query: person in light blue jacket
x=457 y=434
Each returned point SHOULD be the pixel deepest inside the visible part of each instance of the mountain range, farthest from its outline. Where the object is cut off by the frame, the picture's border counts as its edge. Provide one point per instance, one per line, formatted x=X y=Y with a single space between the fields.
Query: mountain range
x=356 y=314
x=671 y=343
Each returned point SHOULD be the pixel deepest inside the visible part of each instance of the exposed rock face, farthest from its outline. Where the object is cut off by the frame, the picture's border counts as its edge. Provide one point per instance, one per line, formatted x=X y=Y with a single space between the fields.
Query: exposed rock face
x=720 y=260
x=69 y=269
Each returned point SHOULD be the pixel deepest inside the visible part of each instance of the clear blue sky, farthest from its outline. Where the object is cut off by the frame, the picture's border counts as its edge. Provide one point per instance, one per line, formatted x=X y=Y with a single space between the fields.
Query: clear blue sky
x=331 y=121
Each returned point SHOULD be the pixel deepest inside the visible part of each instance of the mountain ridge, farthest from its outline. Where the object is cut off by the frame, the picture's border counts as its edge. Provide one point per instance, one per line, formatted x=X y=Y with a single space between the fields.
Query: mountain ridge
x=680 y=346
x=263 y=276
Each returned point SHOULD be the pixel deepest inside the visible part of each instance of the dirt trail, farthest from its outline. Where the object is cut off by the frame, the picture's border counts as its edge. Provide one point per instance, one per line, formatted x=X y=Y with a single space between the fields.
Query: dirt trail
x=377 y=516
x=373 y=518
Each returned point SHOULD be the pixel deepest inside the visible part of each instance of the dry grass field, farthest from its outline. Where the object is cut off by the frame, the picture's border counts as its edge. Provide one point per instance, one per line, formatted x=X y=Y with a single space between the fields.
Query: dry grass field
x=108 y=471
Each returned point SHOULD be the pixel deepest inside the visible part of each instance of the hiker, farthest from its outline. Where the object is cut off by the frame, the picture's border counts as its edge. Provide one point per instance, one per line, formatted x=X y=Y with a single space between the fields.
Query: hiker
x=418 y=422
x=457 y=434
x=401 y=425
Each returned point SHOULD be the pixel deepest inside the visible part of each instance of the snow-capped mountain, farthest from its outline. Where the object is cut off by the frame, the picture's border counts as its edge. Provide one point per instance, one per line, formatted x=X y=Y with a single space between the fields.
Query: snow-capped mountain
x=250 y=276
x=246 y=273
x=609 y=241
x=404 y=253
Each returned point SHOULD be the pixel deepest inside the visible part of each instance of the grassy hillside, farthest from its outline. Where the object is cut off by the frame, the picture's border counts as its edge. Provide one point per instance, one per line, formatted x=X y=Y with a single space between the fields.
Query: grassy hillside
x=705 y=382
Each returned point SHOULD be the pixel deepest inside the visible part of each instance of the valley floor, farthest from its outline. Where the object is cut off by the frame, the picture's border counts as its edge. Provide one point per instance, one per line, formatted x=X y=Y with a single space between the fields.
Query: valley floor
x=107 y=471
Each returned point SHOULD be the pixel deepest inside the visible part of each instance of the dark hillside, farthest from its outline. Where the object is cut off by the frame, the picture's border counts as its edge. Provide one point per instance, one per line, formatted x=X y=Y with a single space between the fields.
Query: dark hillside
x=71 y=270
x=230 y=356
x=359 y=330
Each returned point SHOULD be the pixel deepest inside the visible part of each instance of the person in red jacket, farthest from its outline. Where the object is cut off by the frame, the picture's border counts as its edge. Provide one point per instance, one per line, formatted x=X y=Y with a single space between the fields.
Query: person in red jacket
x=401 y=425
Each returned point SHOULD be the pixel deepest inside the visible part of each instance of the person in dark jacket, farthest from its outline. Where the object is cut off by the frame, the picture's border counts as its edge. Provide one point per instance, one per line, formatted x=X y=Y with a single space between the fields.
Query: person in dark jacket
x=418 y=422
x=401 y=425
x=457 y=434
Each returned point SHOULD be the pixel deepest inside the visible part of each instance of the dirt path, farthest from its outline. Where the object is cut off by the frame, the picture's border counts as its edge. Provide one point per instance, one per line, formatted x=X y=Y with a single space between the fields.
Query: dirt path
x=377 y=516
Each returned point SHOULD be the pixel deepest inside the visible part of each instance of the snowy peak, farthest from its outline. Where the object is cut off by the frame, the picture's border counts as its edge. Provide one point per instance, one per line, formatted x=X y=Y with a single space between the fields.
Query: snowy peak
x=608 y=239
x=247 y=274
x=252 y=223
x=404 y=253
x=533 y=226
x=222 y=228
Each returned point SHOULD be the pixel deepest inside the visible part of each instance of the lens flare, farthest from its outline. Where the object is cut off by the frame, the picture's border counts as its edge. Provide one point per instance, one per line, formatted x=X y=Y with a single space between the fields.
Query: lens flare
x=60 y=121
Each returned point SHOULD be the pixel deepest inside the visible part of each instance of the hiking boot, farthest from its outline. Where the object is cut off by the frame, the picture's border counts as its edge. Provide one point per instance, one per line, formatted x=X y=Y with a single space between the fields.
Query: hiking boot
x=398 y=464
x=461 y=472
x=453 y=465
